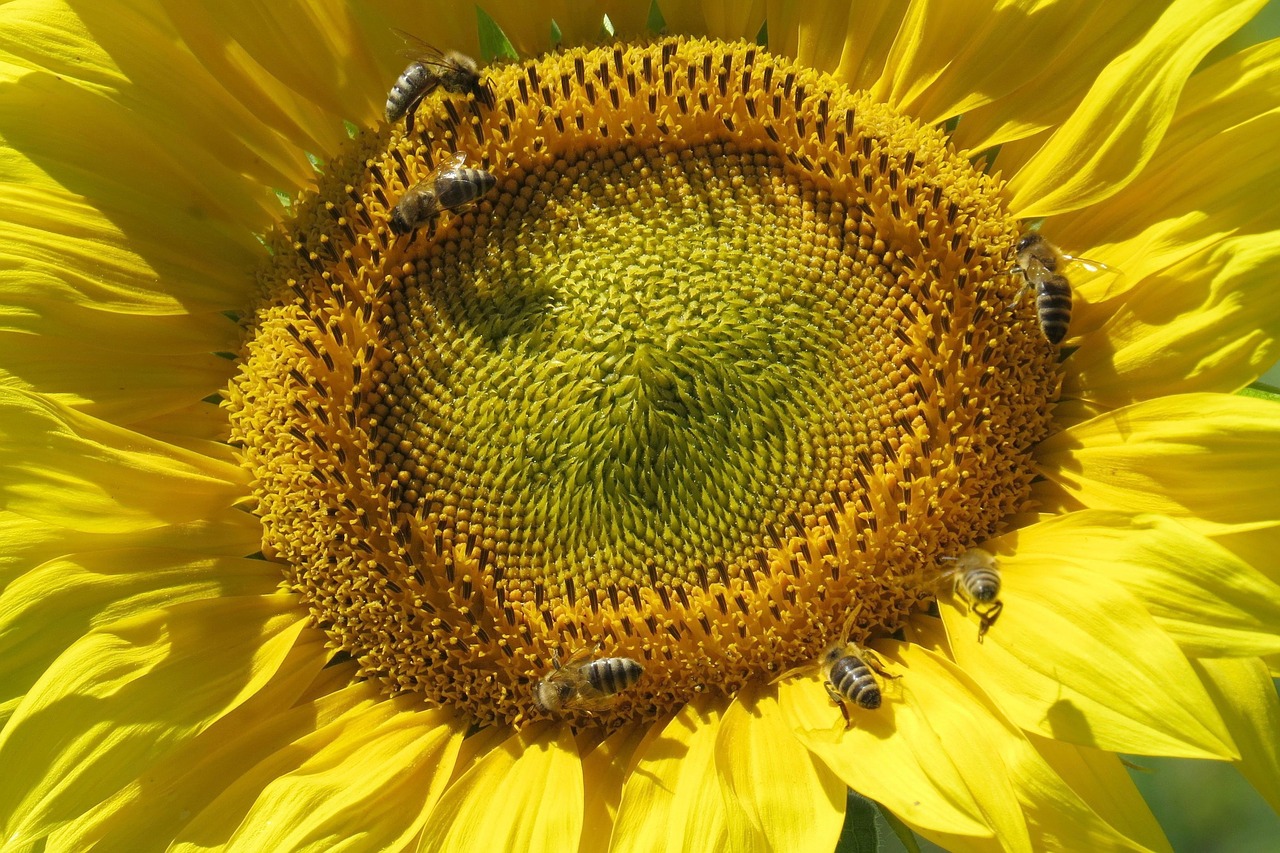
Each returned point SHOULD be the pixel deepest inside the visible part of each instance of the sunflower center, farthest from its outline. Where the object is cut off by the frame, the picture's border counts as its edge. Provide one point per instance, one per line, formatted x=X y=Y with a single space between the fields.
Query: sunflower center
x=717 y=372
x=640 y=374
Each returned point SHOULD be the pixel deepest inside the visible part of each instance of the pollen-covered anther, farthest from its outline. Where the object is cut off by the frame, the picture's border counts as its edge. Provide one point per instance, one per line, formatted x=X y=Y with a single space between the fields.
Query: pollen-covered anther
x=726 y=354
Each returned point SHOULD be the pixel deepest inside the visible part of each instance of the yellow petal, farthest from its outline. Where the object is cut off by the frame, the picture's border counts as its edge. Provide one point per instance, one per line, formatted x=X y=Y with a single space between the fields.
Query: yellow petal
x=476 y=746
x=685 y=17
x=604 y=772
x=123 y=388
x=287 y=739
x=731 y=20
x=1246 y=695
x=671 y=799
x=1077 y=658
x=176 y=84
x=69 y=469
x=1101 y=780
x=785 y=18
x=154 y=680
x=161 y=803
x=1211 y=602
x=1211 y=323
x=370 y=789
x=46 y=35
x=60 y=252
x=929 y=754
x=50 y=607
x=26 y=543
x=1114 y=132
x=930 y=37
x=151 y=181
x=1209 y=179
x=1004 y=47
x=295 y=54
x=1207 y=460
x=1057 y=81
x=791 y=802
x=1257 y=547
x=1058 y=817
x=525 y=794
x=113 y=365
x=851 y=41
x=1068 y=793
x=528 y=25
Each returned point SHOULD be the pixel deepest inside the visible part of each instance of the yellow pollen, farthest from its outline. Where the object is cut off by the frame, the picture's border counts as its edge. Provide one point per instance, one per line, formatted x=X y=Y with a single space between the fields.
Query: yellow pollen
x=727 y=361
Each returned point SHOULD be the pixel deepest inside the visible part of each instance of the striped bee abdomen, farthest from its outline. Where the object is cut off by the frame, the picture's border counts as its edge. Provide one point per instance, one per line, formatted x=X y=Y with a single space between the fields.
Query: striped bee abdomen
x=1053 y=302
x=854 y=680
x=461 y=185
x=612 y=675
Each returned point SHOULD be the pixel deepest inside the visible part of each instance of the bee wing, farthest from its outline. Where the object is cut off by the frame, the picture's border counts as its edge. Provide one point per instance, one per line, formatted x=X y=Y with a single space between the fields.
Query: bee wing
x=1085 y=270
x=422 y=52
x=417 y=49
x=586 y=653
x=425 y=185
x=453 y=162
x=587 y=698
x=1090 y=266
x=457 y=161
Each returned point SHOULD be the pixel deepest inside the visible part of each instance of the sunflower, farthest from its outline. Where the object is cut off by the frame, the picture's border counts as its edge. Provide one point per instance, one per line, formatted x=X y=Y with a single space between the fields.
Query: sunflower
x=637 y=441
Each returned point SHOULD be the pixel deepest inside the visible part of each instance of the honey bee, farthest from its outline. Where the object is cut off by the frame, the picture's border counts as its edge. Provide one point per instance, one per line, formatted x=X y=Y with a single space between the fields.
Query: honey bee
x=588 y=686
x=450 y=187
x=977 y=578
x=850 y=678
x=1039 y=264
x=431 y=69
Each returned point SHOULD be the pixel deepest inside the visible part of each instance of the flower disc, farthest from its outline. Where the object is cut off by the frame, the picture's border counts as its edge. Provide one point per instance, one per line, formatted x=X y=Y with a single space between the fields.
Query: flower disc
x=717 y=372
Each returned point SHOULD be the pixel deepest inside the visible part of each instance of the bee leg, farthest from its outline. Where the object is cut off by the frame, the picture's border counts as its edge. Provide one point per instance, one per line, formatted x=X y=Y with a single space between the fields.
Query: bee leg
x=988 y=617
x=877 y=663
x=410 y=111
x=838 y=701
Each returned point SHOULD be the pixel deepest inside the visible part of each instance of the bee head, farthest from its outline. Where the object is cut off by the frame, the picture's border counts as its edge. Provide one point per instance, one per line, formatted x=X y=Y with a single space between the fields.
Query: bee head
x=399 y=225
x=550 y=696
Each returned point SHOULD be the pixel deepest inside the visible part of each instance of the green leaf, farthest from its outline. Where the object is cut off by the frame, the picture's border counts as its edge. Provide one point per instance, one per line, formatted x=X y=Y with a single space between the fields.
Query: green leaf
x=351 y=127
x=859 y=834
x=986 y=158
x=656 y=23
x=606 y=28
x=494 y=44
x=284 y=198
x=557 y=37
x=1263 y=391
x=900 y=829
x=316 y=163
x=762 y=37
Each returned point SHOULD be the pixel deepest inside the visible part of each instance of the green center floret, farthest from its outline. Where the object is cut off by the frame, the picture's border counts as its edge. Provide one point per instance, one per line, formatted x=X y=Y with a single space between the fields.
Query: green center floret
x=663 y=362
